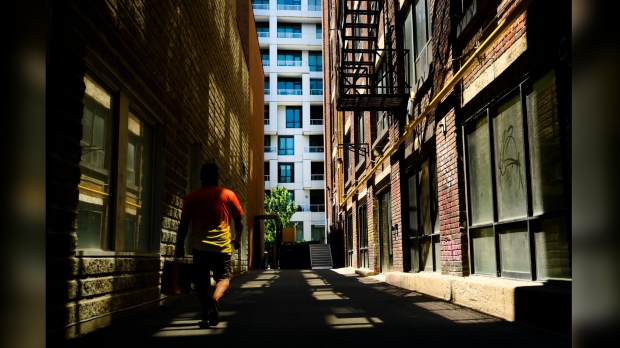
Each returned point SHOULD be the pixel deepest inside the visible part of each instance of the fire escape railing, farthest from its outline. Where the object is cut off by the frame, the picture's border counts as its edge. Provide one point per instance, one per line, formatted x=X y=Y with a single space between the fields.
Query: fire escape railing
x=369 y=78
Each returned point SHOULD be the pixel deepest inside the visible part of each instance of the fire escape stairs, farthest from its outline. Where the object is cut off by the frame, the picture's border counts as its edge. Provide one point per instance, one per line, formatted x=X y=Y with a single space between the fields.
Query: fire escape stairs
x=360 y=87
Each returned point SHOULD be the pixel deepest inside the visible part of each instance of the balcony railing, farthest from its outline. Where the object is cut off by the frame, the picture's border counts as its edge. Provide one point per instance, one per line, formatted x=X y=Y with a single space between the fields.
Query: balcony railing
x=266 y=62
x=289 y=91
x=316 y=92
x=289 y=35
x=263 y=34
x=289 y=7
x=266 y=177
x=267 y=91
x=315 y=149
x=290 y=63
x=260 y=6
x=317 y=176
x=314 y=8
x=317 y=207
x=316 y=121
x=270 y=149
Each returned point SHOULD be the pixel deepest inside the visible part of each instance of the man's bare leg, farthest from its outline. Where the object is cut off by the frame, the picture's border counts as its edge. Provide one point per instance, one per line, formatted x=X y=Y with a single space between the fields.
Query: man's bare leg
x=220 y=288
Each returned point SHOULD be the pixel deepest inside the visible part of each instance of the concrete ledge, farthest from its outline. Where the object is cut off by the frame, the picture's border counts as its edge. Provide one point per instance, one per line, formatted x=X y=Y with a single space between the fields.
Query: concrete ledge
x=364 y=272
x=547 y=305
x=430 y=284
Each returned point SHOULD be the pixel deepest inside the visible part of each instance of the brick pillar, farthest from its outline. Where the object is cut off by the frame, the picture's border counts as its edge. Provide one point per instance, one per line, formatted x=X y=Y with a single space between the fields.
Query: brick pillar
x=451 y=188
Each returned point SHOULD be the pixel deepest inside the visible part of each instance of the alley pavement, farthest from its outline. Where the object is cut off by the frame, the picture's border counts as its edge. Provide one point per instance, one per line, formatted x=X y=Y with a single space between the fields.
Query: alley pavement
x=316 y=308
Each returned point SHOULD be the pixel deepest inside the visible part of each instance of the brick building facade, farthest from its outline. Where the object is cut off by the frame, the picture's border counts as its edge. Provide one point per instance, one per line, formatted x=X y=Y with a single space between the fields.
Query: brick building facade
x=449 y=155
x=139 y=95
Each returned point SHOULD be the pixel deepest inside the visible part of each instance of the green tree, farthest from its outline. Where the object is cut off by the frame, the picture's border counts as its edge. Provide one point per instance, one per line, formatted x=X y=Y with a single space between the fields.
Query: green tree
x=278 y=203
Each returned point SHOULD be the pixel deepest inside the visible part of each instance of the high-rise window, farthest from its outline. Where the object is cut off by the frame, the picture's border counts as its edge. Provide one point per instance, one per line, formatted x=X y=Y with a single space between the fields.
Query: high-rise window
x=289 y=58
x=289 y=5
x=267 y=171
x=268 y=147
x=260 y=4
x=314 y=5
x=316 y=87
x=289 y=31
x=317 y=200
x=262 y=29
x=267 y=91
x=264 y=54
x=316 y=115
x=289 y=86
x=316 y=143
x=286 y=145
x=286 y=172
x=317 y=170
x=315 y=61
x=293 y=117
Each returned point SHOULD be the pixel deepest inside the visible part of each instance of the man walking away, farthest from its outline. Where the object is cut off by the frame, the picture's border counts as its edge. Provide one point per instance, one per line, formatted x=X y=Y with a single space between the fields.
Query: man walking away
x=210 y=210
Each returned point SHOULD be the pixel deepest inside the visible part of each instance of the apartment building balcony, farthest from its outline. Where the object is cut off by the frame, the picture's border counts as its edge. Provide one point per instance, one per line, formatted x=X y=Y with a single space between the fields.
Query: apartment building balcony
x=313 y=208
x=314 y=153
x=301 y=11
x=271 y=153
x=298 y=40
x=315 y=127
x=292 y=66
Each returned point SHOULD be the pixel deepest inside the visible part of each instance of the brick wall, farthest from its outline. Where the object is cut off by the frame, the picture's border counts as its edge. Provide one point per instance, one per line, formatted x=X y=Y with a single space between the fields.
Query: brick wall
x=188 y=67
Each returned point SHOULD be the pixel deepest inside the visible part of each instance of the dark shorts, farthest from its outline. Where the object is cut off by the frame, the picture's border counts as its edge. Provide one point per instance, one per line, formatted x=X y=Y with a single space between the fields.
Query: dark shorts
x=206 y=262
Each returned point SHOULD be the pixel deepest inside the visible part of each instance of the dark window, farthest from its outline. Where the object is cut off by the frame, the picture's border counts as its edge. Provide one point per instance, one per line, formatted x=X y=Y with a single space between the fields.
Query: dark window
x=289 y=86
x=289 y=58
x=317 y=170
x=286 y=172
x=315 y=61
x=316 y=143
x=316 y=87
x=286 y=145
x=316 y=115
x=293 y=117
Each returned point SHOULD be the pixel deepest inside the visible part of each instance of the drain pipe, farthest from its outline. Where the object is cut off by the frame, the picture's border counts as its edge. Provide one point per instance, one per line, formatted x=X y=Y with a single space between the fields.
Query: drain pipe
x=458 y=76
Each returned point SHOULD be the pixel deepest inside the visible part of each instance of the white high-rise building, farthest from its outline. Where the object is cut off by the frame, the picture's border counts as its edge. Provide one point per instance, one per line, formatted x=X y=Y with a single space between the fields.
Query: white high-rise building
x=289 y=34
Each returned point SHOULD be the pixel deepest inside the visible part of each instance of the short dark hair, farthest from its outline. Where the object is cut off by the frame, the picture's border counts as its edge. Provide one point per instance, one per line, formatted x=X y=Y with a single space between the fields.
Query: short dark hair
x=209 y=173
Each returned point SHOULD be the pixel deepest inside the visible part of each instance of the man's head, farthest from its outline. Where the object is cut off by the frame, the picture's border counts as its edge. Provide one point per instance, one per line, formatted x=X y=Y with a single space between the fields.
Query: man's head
x=209 y=174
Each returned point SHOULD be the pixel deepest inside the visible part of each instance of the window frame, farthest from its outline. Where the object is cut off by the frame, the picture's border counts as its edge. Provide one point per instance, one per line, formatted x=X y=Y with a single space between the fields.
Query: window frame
x=283 y=145
x=125 y=198
x=294 y=117
x=529 y=225
x=288 y=167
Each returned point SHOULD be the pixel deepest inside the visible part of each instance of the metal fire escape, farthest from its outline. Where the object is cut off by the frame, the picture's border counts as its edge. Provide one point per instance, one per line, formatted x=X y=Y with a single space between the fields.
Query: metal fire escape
x=367 y=75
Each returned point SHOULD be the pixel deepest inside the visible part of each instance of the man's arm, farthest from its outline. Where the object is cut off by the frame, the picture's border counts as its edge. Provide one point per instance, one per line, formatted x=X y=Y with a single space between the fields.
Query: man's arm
x=238 y=232
x=181 y=234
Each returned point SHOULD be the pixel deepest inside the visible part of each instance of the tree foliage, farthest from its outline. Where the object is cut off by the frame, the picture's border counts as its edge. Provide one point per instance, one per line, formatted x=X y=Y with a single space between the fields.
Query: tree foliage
x=278 y=203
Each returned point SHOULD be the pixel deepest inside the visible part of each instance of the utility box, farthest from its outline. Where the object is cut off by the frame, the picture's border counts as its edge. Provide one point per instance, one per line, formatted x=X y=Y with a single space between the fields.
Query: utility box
x=288 y=235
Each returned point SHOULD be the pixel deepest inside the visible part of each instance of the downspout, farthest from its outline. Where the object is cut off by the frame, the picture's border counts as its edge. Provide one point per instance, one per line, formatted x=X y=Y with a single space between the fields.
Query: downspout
x=501 y=28
x=340 y=165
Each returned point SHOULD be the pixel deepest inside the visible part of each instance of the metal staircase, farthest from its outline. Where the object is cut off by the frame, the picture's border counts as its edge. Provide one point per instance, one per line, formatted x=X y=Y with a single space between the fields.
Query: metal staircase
x=367 y=78
x=320 y=256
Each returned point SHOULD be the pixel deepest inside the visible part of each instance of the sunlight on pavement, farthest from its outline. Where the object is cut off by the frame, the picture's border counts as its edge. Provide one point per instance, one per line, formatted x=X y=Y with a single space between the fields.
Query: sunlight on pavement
x=351 y=323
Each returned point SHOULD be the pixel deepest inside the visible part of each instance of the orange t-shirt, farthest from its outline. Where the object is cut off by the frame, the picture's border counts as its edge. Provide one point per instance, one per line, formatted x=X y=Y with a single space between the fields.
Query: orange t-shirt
x=211 y=209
